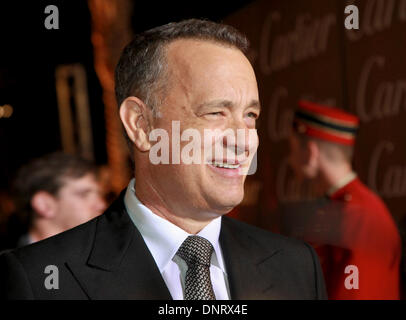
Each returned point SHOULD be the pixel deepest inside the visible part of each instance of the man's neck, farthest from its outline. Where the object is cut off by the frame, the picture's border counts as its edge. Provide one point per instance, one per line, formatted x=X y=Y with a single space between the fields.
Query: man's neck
x=151 y=198
x=333 y=176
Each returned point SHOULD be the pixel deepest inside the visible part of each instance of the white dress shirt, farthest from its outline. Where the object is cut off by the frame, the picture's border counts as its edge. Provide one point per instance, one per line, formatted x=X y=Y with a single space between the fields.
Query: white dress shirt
x=163 y=240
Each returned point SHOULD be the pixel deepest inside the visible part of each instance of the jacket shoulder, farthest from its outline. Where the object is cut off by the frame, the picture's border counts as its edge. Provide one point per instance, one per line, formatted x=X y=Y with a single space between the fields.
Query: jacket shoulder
x=263 y=237
x=64 y=245
x=295 y=261
x=24 y=270
x=74 y=242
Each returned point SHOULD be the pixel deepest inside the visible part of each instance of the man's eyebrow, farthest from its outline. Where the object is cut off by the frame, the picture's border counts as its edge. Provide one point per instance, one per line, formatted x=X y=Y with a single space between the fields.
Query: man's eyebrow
x=216 y=103
x=255 y=104
x=227 y=103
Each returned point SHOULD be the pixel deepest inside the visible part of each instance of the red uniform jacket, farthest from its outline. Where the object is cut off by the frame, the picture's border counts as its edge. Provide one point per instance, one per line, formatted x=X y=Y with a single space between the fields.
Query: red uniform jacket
x=365 y=236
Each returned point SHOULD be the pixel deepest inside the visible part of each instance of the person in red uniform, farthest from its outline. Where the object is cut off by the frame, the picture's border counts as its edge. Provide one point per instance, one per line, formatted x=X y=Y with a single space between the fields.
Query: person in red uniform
x=353 y=232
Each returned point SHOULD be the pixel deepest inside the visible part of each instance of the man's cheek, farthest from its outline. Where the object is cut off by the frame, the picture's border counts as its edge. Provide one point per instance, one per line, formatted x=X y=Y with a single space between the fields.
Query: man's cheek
x=253 y=140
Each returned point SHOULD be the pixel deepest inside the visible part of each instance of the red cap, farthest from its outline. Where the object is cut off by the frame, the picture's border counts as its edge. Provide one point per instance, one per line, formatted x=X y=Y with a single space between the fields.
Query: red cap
x=326 y=123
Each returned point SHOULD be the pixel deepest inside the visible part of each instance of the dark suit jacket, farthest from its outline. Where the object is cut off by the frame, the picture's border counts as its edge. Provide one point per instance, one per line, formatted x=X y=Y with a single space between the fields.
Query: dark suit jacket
x=106 y=258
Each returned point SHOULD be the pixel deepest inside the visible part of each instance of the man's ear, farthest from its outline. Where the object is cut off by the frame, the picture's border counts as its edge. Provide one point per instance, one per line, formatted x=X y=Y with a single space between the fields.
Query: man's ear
x=133 y=114
x=44 y=204
x=313 y=154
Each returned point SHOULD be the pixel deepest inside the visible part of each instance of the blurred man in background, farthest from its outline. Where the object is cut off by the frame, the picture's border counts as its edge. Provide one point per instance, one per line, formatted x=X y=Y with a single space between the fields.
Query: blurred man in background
x=53 y=193
x=352 y=230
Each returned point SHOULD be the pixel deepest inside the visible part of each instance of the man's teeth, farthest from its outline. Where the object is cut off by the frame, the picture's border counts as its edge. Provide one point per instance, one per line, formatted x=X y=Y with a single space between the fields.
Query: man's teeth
x=225 y=165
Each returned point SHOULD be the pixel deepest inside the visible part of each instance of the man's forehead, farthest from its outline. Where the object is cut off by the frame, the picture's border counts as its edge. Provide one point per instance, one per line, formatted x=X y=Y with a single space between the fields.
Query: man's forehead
x=200 y=62
x=183 y=52
x=202 y=71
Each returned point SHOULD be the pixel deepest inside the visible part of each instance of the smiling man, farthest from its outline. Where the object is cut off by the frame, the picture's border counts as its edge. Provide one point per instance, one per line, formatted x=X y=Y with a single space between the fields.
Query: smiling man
x=166 y=236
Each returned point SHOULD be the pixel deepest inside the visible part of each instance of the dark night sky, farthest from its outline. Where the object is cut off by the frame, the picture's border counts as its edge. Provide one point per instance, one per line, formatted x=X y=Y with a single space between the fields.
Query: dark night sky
x=29 y=54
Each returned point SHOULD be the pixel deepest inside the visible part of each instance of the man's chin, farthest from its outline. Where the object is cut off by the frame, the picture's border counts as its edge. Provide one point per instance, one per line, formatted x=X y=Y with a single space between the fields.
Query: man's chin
x=224 y=206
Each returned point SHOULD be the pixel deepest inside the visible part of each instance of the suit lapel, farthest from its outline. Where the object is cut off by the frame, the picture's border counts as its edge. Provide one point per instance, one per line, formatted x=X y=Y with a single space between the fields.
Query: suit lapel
x=252 y=269
x=120 y=265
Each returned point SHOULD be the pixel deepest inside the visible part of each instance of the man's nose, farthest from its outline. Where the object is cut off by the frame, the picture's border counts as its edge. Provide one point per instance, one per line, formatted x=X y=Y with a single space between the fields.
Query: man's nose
x=241 y=139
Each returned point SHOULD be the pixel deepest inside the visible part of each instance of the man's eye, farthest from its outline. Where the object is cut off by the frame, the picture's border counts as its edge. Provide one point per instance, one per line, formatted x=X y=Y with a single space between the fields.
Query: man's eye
x=218 y=113
x=252 y=115
x=83 y=194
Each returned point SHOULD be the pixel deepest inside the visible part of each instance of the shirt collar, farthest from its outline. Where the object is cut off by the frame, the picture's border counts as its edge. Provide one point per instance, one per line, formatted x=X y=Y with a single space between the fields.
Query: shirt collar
x=162 y=237
x=342 y=183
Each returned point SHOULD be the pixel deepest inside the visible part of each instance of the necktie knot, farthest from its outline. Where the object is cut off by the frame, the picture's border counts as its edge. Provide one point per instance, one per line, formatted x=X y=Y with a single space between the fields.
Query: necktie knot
x=196 y=250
